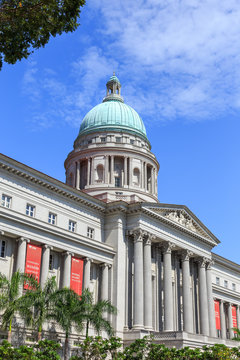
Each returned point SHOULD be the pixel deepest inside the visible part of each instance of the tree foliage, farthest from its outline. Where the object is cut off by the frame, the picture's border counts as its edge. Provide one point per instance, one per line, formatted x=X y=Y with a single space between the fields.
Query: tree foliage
x=26 y=25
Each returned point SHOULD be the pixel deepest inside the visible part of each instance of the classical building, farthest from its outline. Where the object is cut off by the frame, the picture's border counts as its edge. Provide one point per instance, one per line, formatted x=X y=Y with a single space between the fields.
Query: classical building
x=105 y=229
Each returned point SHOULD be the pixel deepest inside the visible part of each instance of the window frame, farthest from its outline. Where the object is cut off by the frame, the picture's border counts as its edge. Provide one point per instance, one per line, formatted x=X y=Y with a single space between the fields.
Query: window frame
x=226 y=284
x=51 y=262
x=217 y=280
x=90 y=232
x=32 y=211
x=2 y=241
x=50 y=220
x=5 y=203
x=70 y=227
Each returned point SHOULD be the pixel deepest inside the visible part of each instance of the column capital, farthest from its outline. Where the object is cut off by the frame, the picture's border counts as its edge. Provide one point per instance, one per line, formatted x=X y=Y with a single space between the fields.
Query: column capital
x=149 y=238
x=46 y=246
x=185 y=255
x=104 y=265
x=209 y=264
x=202 y=261
x=1 y=232
x=22 y=239
x=88 y=259
x=167 y=247
x=137 y=234
x=67 y=253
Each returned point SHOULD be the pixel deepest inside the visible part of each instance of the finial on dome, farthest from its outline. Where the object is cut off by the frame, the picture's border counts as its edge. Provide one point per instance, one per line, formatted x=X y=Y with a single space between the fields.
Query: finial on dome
x=113 y=89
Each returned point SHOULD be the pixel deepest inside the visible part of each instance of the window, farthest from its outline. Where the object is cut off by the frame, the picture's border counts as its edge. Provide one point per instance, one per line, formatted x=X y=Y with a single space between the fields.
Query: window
x=30 y=210
x=225 y=283
x=217 y=281
x=6 y=201
x=3 y=248
x=89 y=141
x=52 y=218
x=233 y=287
x=71 y=226
x=131 y=141
x=51 y=262
x=118 y=139
x=117 y=181
x=103 y=139
x=90 y=233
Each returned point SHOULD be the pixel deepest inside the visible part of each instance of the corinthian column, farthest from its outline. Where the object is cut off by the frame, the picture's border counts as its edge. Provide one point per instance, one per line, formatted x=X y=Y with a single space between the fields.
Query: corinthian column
x=67 y=269
x=21 y=254
x=104 y=289
x=87 y=269
x=187 y=298
x=167 y=286
x=138 y=279
x=147 y=275
x=230 y=321
x=211 y=310
x=45 y=264
x=223 y=320
x=203 y=301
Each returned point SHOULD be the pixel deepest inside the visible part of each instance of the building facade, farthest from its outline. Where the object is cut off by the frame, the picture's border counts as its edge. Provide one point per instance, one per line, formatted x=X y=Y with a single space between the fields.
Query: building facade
x=105 y=229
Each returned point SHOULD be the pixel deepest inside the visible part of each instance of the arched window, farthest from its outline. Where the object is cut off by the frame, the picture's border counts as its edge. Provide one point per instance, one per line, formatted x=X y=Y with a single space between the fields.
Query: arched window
x=100 y=172
x=136 y=177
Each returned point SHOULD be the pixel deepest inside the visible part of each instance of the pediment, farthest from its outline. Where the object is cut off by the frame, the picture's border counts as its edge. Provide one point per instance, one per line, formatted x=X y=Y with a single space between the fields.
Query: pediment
x=181 y=216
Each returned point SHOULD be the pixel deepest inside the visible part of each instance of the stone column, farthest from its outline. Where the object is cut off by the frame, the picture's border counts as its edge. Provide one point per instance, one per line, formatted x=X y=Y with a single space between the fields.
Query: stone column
x=238 y=317
x=222 y=320
x=106 y=169
x=88 y=172
x=130 y=172
x=66 y=269
x=167 y=286
x=147 y=278
x=78 y=175
x=21 y=254
x=104 y=287
x=125 y=171
x=211 y=310
x=142 y=174
x=230 y=321
x=87 y=270
x=112 y=170
x=203 y=301
x=152 y=181
x=92 y=172
x=145 y=175
x=45 y=264
x=138 y=279
x=186 y=293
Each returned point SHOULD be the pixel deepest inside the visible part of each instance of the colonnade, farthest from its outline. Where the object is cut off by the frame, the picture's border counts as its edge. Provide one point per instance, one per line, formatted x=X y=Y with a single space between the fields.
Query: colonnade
x=66 y=275
x=143 y=294
x=145 y=182
x=226 y=320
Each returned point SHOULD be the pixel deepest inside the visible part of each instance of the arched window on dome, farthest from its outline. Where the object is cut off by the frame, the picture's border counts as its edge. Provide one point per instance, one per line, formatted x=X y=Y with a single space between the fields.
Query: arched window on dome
x=100 y=173
x=136 y=177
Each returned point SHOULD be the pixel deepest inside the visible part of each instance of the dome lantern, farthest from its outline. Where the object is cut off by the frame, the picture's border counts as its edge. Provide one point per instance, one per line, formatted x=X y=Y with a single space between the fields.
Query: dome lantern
x=113 y=89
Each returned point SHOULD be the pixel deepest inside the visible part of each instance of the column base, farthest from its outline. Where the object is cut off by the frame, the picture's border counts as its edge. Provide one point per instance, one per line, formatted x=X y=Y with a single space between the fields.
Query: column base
x=138 y=327
x=148 y=328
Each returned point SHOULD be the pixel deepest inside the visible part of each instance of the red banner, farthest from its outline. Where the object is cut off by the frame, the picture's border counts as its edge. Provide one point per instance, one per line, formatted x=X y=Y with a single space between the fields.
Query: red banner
x=33 y=261
x=217 y=314
x=76 y=275
x=234 y=316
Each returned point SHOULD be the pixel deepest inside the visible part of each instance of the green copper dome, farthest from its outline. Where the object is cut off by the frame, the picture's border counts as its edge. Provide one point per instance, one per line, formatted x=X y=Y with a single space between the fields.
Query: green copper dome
x=113 y=115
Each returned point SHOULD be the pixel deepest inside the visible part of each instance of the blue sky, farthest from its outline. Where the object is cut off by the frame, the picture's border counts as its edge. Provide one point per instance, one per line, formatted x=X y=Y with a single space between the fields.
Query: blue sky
x=178 y=62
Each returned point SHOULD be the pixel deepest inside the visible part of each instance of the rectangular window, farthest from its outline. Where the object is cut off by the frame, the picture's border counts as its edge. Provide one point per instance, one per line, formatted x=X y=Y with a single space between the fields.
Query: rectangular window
x=30 y=210
x=71 y=226
x=90 y=233
x=233 y=287
x=51 y=258
x=6 y=201
x=217 y=281
x=225 y=283
x=3 y=248
x=103 y=139
x=118 y=139
x=52 y=218
x=131 y=141
x=117 y=181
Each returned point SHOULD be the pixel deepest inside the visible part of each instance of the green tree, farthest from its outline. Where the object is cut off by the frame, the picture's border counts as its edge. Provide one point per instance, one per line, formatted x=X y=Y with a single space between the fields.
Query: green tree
x=39 y=302
x=67 y=310
x=26 y=25
x=95 y=314
x=11 y=300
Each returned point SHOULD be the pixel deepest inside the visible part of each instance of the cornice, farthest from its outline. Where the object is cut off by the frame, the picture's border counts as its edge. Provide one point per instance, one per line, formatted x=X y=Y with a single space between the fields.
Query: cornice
x=225 y=262
x=36 y=177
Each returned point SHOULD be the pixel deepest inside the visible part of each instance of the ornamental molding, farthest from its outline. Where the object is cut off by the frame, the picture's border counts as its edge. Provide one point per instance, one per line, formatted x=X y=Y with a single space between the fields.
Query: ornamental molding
x=185 y=255
x=167 y=247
